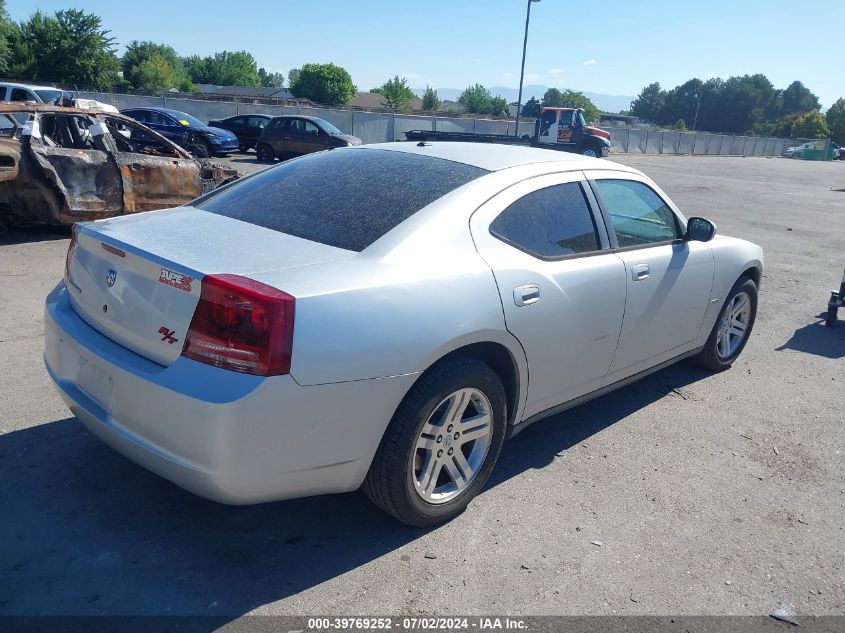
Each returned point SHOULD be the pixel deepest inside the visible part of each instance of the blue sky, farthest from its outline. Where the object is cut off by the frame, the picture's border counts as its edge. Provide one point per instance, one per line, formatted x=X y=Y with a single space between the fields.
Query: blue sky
x=612 y=47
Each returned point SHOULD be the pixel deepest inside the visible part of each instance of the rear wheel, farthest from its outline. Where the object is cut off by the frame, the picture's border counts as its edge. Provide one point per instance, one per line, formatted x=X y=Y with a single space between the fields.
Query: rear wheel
x=591 y=150
x=733 y=327
x=264 y=153
x=441 y=445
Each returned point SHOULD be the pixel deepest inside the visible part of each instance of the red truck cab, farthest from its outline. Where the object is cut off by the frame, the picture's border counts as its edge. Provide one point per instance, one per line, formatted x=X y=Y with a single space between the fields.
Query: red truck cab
x=567 y=128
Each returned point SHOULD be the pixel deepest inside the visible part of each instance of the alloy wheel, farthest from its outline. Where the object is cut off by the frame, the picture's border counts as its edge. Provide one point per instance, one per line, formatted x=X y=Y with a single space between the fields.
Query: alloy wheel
x=734 y=325
x=452 y=446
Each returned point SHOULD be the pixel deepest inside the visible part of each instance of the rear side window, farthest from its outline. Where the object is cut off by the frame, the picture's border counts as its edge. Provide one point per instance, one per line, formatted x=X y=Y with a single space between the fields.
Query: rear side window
x=639 y=216
x=343 y=198
x=550 y=222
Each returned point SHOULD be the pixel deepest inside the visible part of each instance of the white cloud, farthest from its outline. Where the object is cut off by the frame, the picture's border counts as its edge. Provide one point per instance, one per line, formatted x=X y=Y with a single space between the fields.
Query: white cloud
x=557 y=71
x=507 y=75
x=531 y=77
x=590 y=62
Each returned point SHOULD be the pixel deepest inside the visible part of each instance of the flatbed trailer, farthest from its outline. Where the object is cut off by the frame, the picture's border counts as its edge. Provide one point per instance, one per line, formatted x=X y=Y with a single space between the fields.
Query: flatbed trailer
x=562 y=129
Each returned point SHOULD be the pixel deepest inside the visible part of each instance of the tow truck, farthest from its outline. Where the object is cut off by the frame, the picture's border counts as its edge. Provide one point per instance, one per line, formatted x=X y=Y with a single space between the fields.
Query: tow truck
x=557 y=128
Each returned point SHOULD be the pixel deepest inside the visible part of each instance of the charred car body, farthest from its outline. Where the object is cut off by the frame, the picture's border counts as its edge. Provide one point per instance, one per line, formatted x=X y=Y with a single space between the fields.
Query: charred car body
x=64 y=165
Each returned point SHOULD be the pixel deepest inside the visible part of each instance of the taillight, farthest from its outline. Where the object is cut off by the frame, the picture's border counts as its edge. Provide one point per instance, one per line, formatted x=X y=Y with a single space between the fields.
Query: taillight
x=70 y=249
x=243 y=325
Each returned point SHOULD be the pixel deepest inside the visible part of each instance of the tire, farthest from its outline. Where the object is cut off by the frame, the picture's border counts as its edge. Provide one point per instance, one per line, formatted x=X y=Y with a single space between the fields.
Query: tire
x=200 y=149
x=717 y=354
x=830 y=317
x=591 y=150
x=264 y=153
x=399 y=480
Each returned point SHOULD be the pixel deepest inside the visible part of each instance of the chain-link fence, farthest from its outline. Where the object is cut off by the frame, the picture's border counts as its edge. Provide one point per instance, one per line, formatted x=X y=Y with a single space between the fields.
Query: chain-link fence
x=381 y=127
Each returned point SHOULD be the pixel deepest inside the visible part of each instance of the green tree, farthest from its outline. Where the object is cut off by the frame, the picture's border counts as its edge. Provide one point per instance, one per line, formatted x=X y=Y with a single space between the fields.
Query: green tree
x=499 y=106
x=476 y=99
x=836 y=121
x=531 y=108
x=571 y=99
x=681 y=102
x=798 y=98
x=6 y=29
x=154 y=75
x=70 y=47
x=649 y=103
x=681 y=125
x=225 y=68
x=293 y=73
x=142 y=59
x=271 y=79
x=811 y=125
x=324 y=83
x=430 y=100
x=395 y=93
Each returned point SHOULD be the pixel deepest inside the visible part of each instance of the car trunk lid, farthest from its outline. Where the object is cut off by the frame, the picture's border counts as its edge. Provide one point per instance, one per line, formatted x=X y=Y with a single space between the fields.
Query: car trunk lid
x=137 y=279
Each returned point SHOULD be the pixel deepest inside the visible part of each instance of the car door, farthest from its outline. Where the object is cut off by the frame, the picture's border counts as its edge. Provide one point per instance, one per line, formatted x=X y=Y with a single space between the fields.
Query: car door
x=303 y=137
x=562 y=289
x=668 y=280
x=566 y=128
x=252 y=130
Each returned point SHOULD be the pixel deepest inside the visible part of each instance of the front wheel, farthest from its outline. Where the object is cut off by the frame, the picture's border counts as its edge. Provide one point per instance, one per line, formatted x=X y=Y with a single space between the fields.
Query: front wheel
x=733 y=327
x=591 y=150
x=441 y=445
x=200 y=149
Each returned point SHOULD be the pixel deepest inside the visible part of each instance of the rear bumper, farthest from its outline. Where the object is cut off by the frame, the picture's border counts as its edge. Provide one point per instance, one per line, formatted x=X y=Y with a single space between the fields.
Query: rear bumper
x=229 y=437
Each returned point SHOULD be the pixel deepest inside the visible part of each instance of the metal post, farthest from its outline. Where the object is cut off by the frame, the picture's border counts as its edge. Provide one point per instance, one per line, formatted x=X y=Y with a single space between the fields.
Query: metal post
x=627 y=140
x=522 y=71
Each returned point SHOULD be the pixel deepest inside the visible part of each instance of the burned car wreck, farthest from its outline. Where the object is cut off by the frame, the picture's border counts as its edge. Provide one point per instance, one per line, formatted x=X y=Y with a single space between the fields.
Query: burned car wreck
x=63 y=165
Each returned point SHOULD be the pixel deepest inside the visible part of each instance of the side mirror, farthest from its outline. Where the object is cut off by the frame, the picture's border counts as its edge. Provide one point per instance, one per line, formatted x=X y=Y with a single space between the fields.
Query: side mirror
x=699 y=230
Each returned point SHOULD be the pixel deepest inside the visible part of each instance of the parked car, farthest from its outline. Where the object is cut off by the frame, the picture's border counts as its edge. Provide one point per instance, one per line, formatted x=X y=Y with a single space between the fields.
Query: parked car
x=838 y=151
x=247 y=127
x=63 y=165
x=814 y=150
x=368 y=316
x=25 y=93
x=188 y=131
x=288 y=136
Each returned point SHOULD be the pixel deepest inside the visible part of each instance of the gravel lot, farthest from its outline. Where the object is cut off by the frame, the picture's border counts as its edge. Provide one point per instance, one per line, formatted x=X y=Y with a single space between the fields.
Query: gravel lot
x=686 y=493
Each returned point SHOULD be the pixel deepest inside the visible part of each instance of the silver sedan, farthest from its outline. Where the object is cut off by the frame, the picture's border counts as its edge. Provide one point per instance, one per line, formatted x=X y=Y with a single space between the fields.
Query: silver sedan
x=384 y=316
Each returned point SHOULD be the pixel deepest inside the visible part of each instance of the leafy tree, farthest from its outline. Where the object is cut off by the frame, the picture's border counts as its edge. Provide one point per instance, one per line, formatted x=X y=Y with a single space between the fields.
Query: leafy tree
x=649 y=103
x=293 y=73
x=324 y=83
x=681 y=125
x=225 y=68
x=395 y=93
x=476 y=99
x=531 y=108
x=571 y=99
x=430 y=100
x=499 y=106
x=811 y=125
x=798 y=98
x=836 y=121
x=141 y=60
x=271 y=79
x=70 y=47
x=681 y=102
x=6 y=29
x=154 y=74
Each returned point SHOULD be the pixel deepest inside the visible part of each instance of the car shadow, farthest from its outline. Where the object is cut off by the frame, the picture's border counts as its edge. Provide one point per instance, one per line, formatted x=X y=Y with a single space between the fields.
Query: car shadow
x=87 y=532
x=818 y=339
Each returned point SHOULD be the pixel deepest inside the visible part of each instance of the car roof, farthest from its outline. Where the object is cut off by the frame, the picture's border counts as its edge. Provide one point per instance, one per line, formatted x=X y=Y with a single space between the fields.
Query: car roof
x=497 y=156
x=299 y=116
x=13 y=84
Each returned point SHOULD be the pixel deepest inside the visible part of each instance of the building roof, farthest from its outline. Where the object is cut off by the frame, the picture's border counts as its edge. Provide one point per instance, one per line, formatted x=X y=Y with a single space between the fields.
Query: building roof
x=374 y=100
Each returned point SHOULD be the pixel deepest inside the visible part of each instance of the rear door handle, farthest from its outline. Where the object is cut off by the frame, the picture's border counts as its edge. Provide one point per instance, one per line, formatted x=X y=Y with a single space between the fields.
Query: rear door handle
x=526 y=295
x=639 y=272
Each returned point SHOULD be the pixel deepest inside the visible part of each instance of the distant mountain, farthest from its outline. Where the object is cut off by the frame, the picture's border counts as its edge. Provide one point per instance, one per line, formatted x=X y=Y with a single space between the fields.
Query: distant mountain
x=606 y=103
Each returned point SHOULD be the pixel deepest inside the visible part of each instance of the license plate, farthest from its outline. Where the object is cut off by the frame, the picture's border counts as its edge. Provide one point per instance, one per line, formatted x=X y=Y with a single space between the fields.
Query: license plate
x=95 y=383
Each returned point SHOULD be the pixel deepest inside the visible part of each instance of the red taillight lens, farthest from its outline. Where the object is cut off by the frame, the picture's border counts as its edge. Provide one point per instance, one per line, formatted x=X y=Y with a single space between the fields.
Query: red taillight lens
x=243 y=325
x=70 y=248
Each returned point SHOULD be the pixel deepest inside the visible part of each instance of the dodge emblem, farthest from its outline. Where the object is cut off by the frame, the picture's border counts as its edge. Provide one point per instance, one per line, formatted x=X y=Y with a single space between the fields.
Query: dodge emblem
x=111 y=277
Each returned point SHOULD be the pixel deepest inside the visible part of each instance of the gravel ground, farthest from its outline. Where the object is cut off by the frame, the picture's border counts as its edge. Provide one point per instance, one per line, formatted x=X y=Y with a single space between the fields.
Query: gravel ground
x=686 y=493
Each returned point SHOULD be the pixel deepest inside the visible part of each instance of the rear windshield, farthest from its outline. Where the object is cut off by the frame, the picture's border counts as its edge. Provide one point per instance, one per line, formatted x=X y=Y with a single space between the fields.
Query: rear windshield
x=343 y=198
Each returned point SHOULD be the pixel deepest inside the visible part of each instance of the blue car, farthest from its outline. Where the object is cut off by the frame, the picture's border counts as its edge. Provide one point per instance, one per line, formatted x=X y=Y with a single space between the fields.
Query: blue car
x=185 y=130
